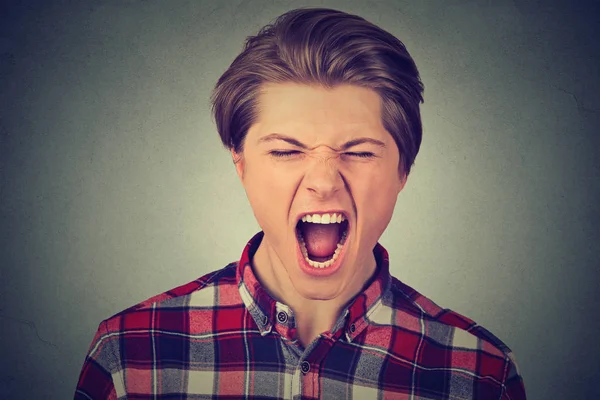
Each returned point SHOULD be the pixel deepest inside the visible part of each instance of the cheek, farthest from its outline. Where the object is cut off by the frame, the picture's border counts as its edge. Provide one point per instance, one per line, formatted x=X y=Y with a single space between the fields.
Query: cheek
x=379 y=193
x=269 y=196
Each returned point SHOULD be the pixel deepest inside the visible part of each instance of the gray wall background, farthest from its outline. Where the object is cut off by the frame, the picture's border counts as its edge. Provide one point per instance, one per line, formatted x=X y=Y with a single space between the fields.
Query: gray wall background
x=115 y=187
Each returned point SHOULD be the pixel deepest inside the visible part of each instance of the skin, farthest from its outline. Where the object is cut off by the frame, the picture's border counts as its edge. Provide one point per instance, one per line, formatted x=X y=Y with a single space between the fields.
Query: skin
x=318 y=174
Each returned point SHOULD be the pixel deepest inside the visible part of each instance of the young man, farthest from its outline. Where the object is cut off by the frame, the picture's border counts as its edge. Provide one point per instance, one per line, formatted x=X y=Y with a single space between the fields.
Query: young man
x=321 y=114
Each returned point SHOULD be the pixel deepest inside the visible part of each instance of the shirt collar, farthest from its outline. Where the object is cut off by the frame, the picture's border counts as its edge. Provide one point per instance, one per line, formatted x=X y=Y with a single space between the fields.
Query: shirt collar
x=270 y=314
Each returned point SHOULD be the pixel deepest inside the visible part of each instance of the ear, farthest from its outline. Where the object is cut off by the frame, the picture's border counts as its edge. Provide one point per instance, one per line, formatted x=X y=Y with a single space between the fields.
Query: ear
x=238 y=161
x=402 y=182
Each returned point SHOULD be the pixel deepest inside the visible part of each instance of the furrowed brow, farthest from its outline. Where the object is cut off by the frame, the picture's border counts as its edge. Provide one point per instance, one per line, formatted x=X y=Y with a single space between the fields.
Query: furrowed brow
x=278 y=136
x=356 y=142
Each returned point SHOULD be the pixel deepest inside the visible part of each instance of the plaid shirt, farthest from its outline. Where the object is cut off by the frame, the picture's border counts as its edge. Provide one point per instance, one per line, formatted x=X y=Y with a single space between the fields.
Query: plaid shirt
x=223 y=336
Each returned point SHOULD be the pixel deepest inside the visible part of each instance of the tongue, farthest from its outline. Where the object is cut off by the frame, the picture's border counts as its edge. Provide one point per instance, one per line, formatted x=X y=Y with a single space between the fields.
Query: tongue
x=321 y=239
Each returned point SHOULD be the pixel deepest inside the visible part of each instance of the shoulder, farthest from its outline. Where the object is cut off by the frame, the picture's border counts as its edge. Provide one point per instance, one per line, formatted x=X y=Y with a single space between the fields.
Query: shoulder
x=165 y=319
x=214 y=289
x=443 y=337
x=442 y=323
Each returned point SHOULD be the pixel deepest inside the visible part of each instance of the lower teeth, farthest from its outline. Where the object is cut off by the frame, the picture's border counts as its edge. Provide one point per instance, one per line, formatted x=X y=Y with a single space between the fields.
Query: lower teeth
x=317 y=264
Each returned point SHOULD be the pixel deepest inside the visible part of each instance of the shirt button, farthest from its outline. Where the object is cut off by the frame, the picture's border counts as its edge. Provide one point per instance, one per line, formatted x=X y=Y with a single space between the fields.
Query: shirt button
x=305 y=367
x=352 y=328
x=282 y=317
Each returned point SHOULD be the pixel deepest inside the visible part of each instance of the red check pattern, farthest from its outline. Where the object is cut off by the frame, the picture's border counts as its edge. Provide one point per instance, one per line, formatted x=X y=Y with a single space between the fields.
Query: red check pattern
x=223 y=337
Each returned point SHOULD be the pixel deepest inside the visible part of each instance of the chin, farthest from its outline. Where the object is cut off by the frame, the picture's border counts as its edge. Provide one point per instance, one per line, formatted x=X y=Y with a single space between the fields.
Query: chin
x=320 y=283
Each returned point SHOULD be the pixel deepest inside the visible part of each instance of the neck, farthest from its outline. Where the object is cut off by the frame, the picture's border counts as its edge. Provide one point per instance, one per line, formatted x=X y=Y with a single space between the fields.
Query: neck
x=312 y=317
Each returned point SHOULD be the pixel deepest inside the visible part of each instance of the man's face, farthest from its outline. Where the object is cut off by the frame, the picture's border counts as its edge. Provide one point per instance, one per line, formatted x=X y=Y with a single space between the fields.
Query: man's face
x=320 y=151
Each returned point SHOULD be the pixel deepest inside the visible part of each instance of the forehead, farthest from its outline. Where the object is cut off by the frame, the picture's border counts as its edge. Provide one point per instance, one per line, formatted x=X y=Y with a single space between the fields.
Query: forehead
x=303 y=109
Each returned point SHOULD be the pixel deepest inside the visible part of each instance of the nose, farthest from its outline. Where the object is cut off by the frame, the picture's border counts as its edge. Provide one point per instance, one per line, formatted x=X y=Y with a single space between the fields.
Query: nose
x=323 y=177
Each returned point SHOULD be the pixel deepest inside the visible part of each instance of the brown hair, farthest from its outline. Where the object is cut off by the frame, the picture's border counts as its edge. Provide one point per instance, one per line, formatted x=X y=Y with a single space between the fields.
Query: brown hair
x=325 y=47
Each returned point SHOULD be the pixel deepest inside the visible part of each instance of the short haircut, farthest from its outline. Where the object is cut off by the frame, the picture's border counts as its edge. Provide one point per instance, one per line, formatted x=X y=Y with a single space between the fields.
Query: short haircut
x=319 y=46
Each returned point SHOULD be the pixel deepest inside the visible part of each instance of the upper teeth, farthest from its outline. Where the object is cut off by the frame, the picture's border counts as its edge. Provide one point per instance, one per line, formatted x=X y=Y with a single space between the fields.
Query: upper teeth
x=323 y=218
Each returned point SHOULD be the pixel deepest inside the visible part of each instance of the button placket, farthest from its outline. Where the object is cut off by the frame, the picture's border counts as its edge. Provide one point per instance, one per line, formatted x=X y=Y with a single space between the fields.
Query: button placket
x=305 y=367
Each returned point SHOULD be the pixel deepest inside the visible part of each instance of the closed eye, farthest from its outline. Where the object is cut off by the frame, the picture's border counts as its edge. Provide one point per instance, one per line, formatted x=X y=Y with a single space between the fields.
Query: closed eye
x=284 y=154
x=290 y=153
x=362 y=154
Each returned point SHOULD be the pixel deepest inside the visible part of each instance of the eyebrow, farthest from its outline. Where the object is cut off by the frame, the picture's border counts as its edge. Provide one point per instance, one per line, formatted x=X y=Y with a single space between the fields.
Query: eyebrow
x=354 y=142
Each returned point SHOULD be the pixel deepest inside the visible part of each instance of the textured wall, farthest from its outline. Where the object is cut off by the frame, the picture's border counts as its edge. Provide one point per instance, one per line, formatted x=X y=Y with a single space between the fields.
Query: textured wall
x=114 y=185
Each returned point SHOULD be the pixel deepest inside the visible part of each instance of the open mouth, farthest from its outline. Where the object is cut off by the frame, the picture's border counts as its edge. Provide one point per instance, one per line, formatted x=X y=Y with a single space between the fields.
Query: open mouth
x=321 y=238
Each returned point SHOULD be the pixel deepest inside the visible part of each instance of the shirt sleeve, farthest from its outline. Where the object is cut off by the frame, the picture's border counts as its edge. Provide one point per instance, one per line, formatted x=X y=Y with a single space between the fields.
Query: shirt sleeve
x=514 y=388
x=96 y=380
